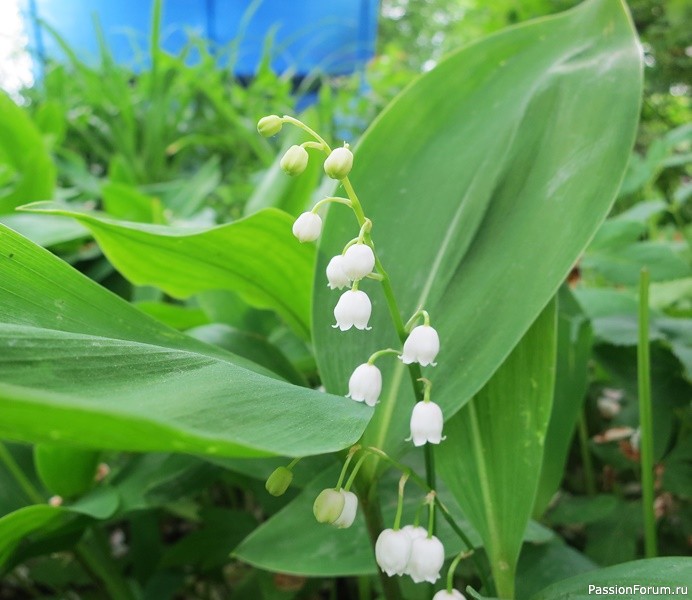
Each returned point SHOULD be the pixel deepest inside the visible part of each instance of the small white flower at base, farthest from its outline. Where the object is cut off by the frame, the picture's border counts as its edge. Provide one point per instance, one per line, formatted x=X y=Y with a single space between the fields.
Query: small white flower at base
x=427 y=558
x=335 y=273
x=365 y=384
x=339 y=163
x=392 y=551
x=445 y=595
x=352 y=310
x=414 y=533
x=307 y=227
x=421 y=346
x=426 y=424
x=359 y=261
x=608 y=407
x=348 y=514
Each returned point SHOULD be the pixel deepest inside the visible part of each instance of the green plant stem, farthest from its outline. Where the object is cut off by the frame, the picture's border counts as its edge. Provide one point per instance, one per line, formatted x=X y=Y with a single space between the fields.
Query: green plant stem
x=646 y=418
x=587 y=464
x=15 y=470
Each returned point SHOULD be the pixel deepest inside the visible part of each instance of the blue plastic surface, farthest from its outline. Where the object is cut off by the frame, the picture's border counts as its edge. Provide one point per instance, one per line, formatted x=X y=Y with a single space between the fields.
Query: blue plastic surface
x=331 y=36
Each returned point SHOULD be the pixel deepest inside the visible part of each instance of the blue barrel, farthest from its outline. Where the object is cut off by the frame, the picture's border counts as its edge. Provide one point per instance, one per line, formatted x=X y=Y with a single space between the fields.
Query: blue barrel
x=330 y=36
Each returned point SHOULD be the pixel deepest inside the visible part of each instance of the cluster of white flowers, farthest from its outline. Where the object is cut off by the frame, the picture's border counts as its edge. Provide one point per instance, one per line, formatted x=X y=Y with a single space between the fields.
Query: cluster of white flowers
x=412 y=550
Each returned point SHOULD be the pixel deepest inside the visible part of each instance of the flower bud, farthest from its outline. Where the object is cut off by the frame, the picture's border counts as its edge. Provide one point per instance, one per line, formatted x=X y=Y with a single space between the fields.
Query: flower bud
x=445 y=595
x=421 y=346
x=365 y=384
x=359 y=261
x=307 y=227
x=352 y=310
x=269 y=126
x=278 y=482
x=328 y=506
x=392 y=551
x=348 y=513
x=339 y=163
x=426 y=424
x=294 y=161
x=335 y=273
x=427 y=558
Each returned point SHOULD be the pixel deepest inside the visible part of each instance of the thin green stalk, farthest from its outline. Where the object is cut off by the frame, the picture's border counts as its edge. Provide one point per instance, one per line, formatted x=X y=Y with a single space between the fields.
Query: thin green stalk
x=15 y=470
x=646 y=418
x=587 y=464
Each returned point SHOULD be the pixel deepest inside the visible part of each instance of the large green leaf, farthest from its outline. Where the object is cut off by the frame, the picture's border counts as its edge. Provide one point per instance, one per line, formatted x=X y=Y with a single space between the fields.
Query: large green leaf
x=257 y=257
x=492 y=458
x=672 y=572
x=24 y=153
x=485 y=180
x=80 y=365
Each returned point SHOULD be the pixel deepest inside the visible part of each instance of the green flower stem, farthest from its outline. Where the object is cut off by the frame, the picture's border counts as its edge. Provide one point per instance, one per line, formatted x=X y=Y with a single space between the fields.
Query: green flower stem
x=309 y=130
x=328 y=200
x=375 y=355
x=431 y=514
x=646 y=418
x=354 y=473
x=452 y=568
x=419 y=313
x=400 y=502
x=15 y=470
x=347 y=462
x=293 y=463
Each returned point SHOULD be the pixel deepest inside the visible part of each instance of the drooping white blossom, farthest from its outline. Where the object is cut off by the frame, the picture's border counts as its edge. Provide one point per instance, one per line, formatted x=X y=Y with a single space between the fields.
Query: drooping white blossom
x=365 y=384
x=392 y=551
x=352 y=310
x=348 y=513
x=421 y=346
x=339 y=163
x=294 y=161
x=336 y=275
x=414 y=532
x=427 y=558
x=307 y=227
x=426 y=424
x=359 y=261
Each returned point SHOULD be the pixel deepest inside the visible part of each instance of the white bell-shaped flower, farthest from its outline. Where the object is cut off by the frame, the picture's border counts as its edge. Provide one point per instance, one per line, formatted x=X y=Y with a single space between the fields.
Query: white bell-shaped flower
x=414 y=532
x=445 y=595
x=426 y=424
x=365 y=384
x=348 y=513
x=427 y=558
x=339 y=163
x=352 y=310
x=359 y=261
x=335 y=273
x=307 y=227
x=421 y=346
x=392 y=551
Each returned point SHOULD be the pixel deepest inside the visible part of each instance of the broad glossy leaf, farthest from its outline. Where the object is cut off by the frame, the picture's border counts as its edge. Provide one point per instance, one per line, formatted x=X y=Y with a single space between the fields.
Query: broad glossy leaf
x=80 y=365
x=256 y=257
x=492 y=458
x=669 y=571
x=22 y=149
x=484 y=180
